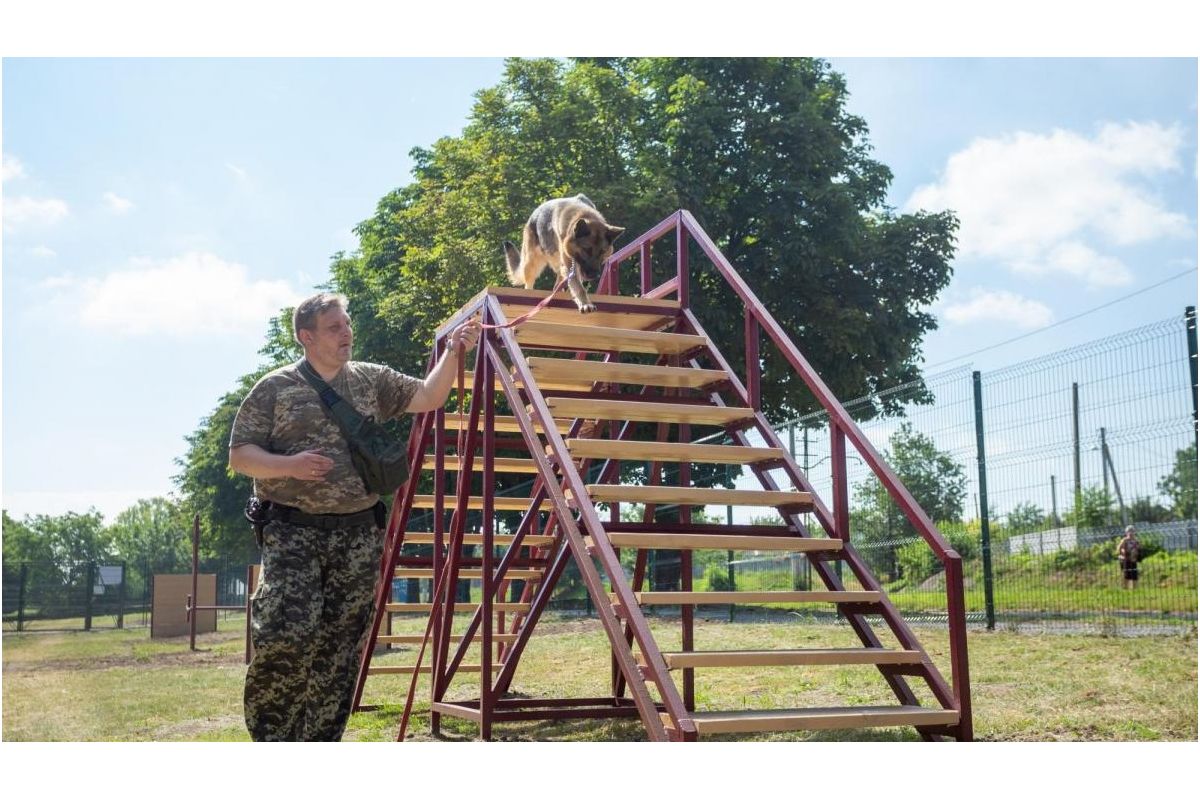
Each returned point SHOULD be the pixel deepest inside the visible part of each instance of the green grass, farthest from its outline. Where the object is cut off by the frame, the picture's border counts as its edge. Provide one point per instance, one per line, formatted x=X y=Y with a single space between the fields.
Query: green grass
x=123 y=686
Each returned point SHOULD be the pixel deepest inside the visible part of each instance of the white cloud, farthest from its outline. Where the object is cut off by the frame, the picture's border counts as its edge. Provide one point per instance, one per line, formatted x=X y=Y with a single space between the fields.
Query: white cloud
x=237 y=171
x=987 y=305
x=27 y=212
x=41 y=251
x=188 y=295
x=57 y=282
x=10 y=167
x=1029 y=200
x=1079 y=261
x=117 y=204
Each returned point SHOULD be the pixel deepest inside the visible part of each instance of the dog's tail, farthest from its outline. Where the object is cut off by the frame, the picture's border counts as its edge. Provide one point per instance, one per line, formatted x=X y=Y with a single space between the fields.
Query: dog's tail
x=513 y=259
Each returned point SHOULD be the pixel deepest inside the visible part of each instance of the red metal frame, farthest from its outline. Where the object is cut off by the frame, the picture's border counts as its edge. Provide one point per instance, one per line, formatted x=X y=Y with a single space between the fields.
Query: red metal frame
x=623 y=620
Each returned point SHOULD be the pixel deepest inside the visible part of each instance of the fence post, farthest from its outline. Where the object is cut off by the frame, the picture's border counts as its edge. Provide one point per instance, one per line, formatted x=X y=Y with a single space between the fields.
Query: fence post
x=91 y=581
x=121 y=596
x=1190 y=317
x=1075 y=434
x=989 y=602
x=21 y=597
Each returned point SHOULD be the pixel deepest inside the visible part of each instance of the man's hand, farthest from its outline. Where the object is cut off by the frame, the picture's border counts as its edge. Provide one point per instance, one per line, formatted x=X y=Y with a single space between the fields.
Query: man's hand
x=466 y=334
x=309 y=466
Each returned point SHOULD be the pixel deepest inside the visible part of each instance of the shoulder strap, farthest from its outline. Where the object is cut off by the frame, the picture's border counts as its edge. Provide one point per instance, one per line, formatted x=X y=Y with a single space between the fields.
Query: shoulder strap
x=345 y=415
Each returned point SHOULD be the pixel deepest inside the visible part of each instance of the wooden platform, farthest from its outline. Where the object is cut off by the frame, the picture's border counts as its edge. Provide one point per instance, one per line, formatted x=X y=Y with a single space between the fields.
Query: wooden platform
x=535 y=333
x=700 y=541
x=634 y=450
x=721 y=598
x=416 y=638
x=498 y=540
x=685 y=495
x=513 y=574
x=475 y=503
x=802 y=719
x=552 y=373
x=459 y=608
x=790 y=658
x=643 y=314
x=638 y=411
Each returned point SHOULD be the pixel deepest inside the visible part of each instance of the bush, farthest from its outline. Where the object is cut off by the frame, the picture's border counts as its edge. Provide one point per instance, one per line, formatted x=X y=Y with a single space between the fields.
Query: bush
x=717 y=579
x=916 y=562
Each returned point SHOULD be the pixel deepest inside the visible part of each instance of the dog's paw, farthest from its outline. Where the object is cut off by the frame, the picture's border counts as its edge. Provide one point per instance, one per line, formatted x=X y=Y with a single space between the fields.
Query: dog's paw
x=587 y=308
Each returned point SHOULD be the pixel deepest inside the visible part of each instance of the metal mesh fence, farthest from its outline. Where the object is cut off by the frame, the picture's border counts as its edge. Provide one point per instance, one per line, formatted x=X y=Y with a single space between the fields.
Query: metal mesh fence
x=44 y=596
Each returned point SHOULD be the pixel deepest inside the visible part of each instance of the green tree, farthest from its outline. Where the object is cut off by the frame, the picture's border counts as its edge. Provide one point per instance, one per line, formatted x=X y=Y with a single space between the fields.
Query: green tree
x=762 y=151
x=936 y=481
x=213 y=490
x=24 y=544
x=1025 y=517
x=1146 y=509
x=1180 y=484
x=1094 y=509
x=155 y=533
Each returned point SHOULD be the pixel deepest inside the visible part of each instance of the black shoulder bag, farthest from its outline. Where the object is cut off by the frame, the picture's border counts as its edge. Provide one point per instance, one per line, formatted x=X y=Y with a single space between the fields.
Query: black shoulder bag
x=380 y=461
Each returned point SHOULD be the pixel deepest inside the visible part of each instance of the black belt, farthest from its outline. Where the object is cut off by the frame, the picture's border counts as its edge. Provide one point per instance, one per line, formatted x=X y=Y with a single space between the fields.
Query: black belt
x=326 y=522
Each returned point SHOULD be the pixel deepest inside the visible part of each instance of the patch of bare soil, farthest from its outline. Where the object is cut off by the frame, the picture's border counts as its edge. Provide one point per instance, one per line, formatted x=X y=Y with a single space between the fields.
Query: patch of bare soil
x=155 y=661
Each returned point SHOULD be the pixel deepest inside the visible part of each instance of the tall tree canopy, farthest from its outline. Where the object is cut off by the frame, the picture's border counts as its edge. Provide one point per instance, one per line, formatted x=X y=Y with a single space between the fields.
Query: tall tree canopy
x=762 y=151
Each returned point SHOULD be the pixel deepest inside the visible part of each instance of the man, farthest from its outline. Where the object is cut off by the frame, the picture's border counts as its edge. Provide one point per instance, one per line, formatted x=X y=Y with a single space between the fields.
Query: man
x=321 y=548
x=1128 y=551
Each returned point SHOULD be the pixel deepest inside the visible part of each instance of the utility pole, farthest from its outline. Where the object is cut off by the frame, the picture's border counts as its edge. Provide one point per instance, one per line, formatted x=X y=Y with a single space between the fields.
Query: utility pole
x=1106 y=454
x=1054 y=502
x=1104 y=460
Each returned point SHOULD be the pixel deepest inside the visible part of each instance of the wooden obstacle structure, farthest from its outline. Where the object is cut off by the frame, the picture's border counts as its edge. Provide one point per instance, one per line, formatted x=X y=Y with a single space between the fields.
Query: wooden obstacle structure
x=194 y=607
x=576 y=409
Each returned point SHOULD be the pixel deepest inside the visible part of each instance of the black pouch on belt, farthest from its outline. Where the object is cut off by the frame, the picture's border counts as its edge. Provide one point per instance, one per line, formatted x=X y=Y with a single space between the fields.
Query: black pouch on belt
x=256 y=513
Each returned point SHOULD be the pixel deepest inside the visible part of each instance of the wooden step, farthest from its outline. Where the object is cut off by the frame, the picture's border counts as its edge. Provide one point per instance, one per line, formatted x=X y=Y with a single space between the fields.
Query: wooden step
x=459 y=608
x=703 y=541
x=513 y=574
x=722 y=598
x=687 y=495
x=476 y=539
x=416 y=638
x=503 y=424
x=570 y=383
x=790 y=658
x=640 y=411
x=501 y=503
x=509 y=465
x=550 y=371
x=641 y=313
x=425 y=669
x=633 y=450
x=534 y=333
x=812 y=719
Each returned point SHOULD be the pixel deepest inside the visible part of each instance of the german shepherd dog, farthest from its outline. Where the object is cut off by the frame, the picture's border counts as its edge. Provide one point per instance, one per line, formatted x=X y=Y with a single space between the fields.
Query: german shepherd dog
x=560 y=233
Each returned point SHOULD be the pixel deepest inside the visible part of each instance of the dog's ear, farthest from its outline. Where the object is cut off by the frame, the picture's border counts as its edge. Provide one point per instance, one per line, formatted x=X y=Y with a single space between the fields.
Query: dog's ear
x=581 y=228
x=613 y=232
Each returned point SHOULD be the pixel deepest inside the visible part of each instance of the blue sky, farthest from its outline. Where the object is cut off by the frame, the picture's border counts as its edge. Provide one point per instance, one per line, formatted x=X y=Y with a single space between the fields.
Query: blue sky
x=157 y=212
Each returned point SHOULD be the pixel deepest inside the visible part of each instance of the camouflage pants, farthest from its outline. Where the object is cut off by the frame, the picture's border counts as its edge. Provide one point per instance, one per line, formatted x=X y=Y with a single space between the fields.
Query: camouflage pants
x=312 y=611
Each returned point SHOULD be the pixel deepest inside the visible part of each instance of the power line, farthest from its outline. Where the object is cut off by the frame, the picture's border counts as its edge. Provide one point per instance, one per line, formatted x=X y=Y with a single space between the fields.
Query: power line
x=1062 y=321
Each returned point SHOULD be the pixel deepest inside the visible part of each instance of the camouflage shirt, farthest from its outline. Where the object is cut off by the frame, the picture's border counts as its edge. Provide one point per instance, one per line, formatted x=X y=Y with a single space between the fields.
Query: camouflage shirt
x=283 y=414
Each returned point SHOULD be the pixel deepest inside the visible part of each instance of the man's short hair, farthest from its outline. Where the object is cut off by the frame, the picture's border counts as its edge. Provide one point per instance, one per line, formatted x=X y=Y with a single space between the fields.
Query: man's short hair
x=305 y=315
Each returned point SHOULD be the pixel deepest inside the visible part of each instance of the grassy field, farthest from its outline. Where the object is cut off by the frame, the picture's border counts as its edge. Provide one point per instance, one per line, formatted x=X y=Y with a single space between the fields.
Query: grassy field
x=123 y=686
